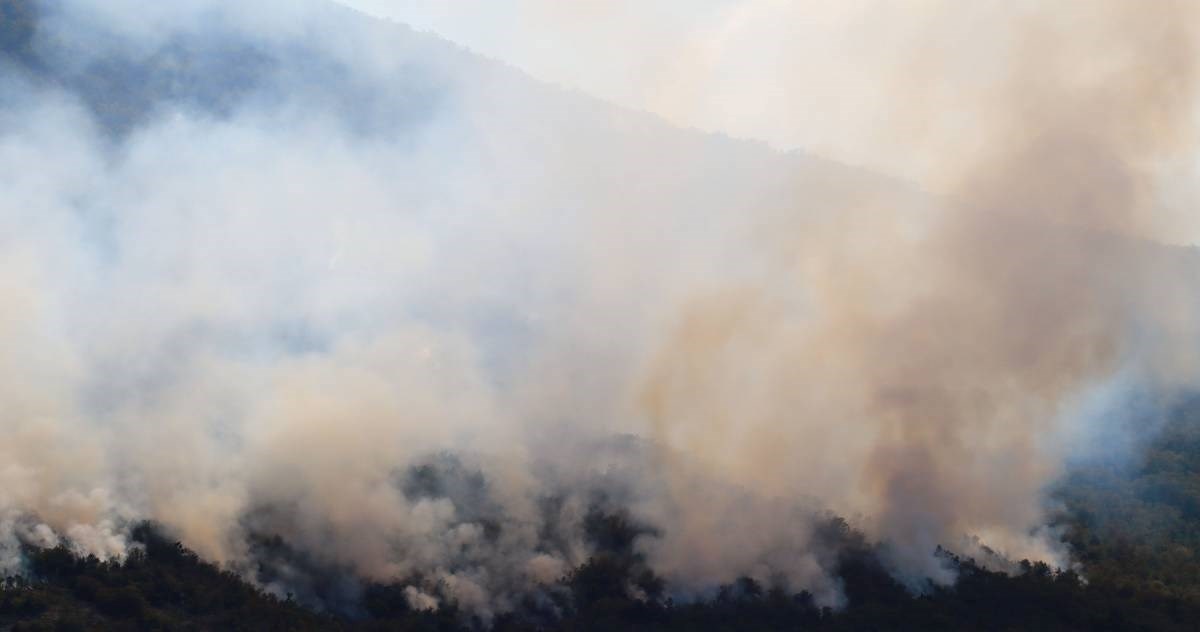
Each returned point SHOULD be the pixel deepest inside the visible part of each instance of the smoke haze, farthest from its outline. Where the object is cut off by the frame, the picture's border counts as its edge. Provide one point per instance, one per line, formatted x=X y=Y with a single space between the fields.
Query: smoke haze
x=340 y=298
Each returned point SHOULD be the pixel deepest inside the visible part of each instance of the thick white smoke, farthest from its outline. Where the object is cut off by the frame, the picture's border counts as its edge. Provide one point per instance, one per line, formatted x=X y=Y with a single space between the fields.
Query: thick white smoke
x=268 y=316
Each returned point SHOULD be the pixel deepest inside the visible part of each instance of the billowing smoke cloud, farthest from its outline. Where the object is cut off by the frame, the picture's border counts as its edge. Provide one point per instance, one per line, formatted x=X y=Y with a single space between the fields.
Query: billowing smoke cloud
x=921 y=378
x=338 y=299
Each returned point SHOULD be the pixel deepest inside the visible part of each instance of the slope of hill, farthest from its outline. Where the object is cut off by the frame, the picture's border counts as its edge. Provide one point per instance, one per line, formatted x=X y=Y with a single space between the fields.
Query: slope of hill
x=1132 y=529
x=283 y=217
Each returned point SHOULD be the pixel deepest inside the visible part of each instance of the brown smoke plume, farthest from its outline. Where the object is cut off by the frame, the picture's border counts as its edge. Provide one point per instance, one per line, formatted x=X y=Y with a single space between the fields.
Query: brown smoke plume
x=914 y=368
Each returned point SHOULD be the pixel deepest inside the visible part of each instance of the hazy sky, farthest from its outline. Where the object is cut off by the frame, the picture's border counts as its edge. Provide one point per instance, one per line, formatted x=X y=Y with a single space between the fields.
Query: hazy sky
x=798 y=74
x=891 y=85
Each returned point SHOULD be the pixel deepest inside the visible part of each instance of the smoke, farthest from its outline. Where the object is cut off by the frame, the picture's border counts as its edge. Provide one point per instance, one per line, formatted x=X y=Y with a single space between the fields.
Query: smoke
x=922 y=380
x=338 y=300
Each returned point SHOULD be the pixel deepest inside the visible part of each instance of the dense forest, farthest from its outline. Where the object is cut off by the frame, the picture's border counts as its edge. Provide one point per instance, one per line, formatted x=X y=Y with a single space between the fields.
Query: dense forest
x=1133 y=529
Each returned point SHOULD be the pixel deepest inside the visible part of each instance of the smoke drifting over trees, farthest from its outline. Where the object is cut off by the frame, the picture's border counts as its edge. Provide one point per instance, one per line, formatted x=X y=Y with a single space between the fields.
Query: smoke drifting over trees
x=332 y=301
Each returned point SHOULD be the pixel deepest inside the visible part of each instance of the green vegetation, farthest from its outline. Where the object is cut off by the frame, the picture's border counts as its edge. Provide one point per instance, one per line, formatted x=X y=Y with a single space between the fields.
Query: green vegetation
x=1136 y=529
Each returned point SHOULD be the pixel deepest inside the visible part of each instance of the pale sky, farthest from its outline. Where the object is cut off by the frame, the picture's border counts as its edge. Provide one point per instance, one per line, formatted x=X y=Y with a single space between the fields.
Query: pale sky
x=799 y=74
x=891 y=85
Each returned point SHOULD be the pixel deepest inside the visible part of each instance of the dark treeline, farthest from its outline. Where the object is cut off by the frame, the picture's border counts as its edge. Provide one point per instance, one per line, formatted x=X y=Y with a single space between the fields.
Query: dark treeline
x=1133 y=529
x=166 y=587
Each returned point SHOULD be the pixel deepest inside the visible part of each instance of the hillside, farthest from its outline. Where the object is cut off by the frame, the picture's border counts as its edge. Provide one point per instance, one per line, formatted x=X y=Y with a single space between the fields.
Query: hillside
x=313 y=321
x=1133 y=529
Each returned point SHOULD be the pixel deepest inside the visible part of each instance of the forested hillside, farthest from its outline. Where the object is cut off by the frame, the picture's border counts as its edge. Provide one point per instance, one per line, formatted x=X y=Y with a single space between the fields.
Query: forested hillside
x=418 y=210
x=1133 y=529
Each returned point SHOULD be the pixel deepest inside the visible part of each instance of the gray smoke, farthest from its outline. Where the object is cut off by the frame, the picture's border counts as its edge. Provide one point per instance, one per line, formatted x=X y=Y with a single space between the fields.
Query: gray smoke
x=324 y=292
